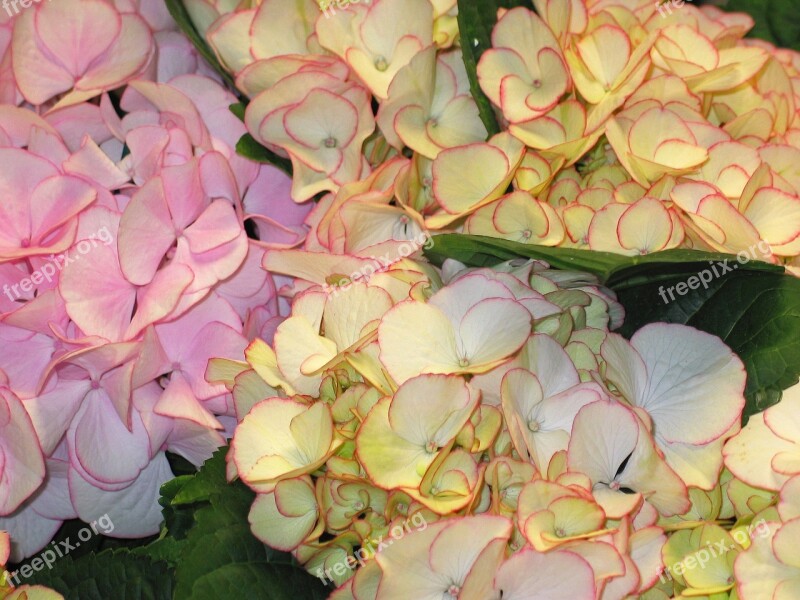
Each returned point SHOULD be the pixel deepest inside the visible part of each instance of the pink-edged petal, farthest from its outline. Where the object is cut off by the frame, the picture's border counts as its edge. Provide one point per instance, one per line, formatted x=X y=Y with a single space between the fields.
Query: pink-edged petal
x=532 y=575
x=98 y=428
x=134 y=510
x=30 y=532
x=22 y=467
x=695 y=384
x=146 y=233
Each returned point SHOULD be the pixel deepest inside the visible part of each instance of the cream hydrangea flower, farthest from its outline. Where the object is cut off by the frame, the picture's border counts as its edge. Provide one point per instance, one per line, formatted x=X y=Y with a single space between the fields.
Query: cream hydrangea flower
x=518 y=217
x=377 y=40
x=470 y=326
x=282 y=438
x=612 y=446
x=551 y=515
x=429 y=107
x=321 y=122
x=288 y=515
x=766 y=453
x=460 y=193
x=540 y=425
x=405 y=436
x=770 y=567
x=689 y=384
x=453 y=558
x=524 y=73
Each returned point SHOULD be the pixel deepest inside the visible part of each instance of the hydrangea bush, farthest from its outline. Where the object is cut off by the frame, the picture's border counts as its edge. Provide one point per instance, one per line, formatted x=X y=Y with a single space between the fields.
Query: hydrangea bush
x=398 y=265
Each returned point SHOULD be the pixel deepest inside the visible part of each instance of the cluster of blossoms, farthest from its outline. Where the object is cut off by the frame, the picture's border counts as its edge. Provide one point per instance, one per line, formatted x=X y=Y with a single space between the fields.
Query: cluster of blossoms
x=622 y=130
x=142 y=259
x=765 y=459
x=130 y=252
x=495 y=405
x=528 y=450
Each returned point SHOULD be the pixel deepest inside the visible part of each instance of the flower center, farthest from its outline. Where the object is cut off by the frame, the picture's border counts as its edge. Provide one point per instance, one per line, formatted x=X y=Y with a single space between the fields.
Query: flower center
x=534 y=426
x=464 y=362
x=331 y=142
x=431 y=447
x=453 y=591
x=381 y=64
x=537 y=83
x=527 y=234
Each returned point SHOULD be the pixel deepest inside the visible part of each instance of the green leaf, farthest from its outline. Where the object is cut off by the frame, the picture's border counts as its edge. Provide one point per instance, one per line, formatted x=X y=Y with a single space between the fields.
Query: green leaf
x=614 y=270
x=117 y=574
x=482 y=251
x=238 y=110
x=753 y=306
x=476 y=18
x=248 y=147
x=221 y=558
x=783 y=17
x=178 y=520
x=168 y=550
x=777 y=21
x=184 y=21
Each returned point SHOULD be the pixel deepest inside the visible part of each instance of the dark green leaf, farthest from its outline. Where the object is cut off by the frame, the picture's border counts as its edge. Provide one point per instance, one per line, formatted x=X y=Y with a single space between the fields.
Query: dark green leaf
x=250 y=148
x=776 y=21
x=117 y=575
x=168 y=550
x=220 y=557
x=179 y=465
x=476 y=18
x=184 y=21
x=238 y=110
x=783 y=17
x=614 y=270
x=178 y=520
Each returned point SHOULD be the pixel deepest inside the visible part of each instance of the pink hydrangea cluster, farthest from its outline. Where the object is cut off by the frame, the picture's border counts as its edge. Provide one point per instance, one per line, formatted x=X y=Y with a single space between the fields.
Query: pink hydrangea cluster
x=130 y=252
